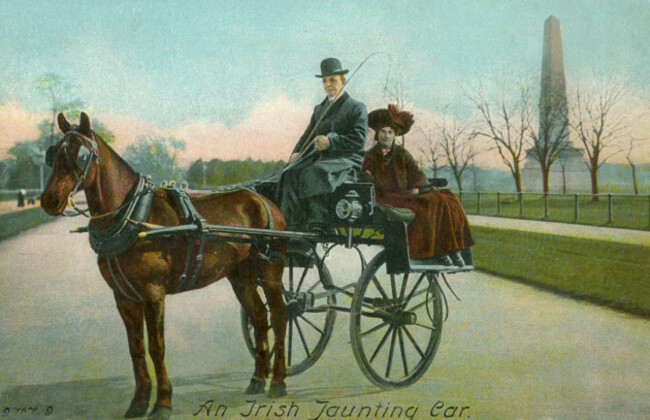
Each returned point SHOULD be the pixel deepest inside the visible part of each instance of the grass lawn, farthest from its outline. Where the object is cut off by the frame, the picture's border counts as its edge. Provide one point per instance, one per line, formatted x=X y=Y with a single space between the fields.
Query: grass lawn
x=627 y=211
x=610 y=273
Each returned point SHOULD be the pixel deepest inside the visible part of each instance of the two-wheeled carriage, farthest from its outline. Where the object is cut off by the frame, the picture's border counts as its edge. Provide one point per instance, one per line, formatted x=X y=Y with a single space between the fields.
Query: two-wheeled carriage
x=395 y=305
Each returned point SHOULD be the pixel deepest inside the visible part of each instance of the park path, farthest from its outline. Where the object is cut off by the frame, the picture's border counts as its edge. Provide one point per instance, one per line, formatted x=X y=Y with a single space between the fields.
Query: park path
x=11 y=206
x=629 y=236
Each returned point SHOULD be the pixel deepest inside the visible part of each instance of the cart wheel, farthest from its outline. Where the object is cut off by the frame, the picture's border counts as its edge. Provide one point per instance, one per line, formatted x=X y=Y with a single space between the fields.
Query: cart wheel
x=310 y=321
x=395 y=324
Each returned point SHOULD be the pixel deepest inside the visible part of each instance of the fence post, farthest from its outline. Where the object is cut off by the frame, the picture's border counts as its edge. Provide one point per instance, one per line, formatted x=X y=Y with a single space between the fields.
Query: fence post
x=498 y=204
x=545 y=206
x=576 y=213
x=521 y=205
x=478 y=202
x=610 y=215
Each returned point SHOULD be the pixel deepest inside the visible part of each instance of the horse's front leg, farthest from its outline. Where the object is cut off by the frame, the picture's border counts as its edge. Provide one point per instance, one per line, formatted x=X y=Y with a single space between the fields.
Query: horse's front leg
x=272 y=286
x=131 y=313
x=154 y=311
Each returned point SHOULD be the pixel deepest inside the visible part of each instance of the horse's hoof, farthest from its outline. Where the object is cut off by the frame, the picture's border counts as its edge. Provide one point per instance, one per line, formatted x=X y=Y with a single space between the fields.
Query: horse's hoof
x=277 y=390
x=256 y=386
x=160 y=412
x=136 y=410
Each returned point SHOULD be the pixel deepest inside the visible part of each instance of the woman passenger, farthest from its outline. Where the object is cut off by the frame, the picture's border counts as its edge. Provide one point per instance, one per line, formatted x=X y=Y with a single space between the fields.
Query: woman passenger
x=440 y=228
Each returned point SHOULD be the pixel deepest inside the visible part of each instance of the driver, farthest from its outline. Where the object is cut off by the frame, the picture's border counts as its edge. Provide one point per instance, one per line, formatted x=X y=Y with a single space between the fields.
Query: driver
x=326 y=155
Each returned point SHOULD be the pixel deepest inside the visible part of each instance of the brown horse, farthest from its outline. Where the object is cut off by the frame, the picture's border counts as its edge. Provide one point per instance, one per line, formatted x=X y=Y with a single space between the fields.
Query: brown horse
x=153 y=268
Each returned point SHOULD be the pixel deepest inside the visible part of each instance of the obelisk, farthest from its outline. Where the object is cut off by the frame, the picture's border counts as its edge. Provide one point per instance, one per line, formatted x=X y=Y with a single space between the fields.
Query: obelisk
x=553 y=89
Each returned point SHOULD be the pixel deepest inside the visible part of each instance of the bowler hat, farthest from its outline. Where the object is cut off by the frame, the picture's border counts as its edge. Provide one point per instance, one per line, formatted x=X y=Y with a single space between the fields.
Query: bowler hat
x=330 y=67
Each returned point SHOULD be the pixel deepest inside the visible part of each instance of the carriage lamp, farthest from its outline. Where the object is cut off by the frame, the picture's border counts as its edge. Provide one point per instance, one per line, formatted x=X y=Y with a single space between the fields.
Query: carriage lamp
x=349 y=208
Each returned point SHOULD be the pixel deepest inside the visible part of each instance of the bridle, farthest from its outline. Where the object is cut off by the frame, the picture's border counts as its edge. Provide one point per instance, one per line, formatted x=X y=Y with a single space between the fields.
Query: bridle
x=86 y=155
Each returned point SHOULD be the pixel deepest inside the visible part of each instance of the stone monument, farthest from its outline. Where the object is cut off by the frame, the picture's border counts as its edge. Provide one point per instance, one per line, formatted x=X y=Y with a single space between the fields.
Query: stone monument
x=568 y=172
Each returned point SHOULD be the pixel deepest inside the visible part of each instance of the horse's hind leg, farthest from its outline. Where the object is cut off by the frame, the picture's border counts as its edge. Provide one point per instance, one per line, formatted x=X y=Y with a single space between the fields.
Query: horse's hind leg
x=243 y=283
x=131 y=314
x=272 y=285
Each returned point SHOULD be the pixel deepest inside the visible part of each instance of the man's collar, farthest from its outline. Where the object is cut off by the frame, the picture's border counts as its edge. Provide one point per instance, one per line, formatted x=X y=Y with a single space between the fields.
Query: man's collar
x=340 y=98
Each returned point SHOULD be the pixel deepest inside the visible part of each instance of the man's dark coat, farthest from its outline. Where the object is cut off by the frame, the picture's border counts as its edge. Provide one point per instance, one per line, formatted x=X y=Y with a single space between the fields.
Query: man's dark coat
x=346 y=125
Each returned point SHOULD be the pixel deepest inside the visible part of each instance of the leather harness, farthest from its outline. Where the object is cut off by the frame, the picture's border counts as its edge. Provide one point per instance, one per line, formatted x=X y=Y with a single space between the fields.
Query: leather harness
x=123 y=232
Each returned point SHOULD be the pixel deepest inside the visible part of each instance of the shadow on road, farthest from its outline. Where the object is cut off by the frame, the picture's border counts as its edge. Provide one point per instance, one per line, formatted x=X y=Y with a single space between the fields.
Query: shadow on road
x=108 y=398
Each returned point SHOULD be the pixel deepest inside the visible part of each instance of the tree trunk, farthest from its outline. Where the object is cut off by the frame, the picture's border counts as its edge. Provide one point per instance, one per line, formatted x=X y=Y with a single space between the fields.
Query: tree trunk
x=594 y=182
x=635 y=182
x=545 y=180
x=545 y=176
x=516 y=173
x=459 y=182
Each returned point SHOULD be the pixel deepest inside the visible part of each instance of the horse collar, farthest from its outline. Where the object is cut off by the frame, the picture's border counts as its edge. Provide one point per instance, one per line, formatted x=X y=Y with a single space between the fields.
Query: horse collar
x=122 y=233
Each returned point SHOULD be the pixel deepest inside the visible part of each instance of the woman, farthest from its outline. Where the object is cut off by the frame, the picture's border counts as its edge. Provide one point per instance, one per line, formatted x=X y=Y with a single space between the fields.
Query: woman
x=440 y=227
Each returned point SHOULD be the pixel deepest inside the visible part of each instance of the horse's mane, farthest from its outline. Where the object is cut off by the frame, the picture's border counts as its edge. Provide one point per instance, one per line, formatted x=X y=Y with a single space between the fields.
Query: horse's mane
x=114 y=154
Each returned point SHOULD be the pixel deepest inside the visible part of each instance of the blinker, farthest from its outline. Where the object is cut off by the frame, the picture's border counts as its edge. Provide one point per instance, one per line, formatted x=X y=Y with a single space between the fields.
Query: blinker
x=83 y=155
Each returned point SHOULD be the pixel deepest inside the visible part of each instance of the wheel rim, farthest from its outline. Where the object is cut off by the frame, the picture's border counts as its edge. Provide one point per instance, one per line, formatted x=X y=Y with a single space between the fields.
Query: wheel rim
x=309 y=321
x=395 y=324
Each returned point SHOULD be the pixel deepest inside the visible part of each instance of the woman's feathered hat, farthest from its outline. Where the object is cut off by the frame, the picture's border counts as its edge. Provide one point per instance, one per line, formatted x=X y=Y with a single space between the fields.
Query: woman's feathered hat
x=400 y=121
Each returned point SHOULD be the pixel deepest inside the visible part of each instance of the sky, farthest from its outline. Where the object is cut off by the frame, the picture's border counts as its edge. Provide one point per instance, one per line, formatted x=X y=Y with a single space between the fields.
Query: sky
x=236 y=79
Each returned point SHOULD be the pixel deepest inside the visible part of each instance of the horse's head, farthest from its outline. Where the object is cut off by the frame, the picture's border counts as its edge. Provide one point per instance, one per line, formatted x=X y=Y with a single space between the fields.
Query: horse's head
x=74 y=161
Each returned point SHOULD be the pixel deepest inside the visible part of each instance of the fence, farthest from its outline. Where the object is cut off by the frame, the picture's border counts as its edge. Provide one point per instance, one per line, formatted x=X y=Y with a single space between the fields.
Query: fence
x=613 y=210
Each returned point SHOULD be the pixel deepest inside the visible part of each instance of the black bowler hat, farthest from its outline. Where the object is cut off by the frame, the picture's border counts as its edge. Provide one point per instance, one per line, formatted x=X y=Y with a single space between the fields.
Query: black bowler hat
x=330 y=67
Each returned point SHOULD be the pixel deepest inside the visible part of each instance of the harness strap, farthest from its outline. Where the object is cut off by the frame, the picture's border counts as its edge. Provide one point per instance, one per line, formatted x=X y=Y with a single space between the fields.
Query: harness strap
x=188 y=260
x=269 y=254
x=191 y=215
x=197 y=266
x=266 y=206
x=138 y=298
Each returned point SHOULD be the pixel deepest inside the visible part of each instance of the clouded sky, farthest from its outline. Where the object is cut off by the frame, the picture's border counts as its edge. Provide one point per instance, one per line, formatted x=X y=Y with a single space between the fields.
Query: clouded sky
x=187 y=64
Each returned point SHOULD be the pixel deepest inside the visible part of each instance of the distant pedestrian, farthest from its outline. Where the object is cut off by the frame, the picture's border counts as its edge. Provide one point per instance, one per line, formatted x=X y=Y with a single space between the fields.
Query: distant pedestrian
x=21 y=197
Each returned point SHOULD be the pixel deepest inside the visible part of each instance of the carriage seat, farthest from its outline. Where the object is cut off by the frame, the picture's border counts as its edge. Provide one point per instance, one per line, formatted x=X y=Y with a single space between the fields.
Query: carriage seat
x=386 y=213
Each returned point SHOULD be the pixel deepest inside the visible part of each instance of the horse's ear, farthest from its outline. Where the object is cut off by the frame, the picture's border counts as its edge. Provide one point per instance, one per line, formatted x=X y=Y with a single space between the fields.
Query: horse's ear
x=64 y=125
x=84 y=124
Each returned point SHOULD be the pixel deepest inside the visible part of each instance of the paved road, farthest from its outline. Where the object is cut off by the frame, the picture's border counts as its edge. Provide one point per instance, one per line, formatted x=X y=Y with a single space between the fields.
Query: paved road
x=508 y=351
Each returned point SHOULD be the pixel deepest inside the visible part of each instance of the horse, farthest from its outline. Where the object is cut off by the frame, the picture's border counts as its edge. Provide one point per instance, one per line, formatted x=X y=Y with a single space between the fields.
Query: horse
x=151 y=268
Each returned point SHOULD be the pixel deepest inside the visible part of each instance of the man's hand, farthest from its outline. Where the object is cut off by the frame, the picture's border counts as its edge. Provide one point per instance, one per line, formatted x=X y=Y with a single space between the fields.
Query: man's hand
x=294 y=157
x=321 y=143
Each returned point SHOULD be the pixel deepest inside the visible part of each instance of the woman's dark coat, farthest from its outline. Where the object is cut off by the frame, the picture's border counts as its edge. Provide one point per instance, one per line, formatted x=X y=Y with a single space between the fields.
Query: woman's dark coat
x=440 y=224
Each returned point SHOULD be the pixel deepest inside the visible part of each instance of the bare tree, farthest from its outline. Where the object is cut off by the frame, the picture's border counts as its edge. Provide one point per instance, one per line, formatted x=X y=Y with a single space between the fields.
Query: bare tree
x=630 y=161
x=457 y=145
x=431 y=152
x=551 y=140
x=597 y=125
x=506 y=122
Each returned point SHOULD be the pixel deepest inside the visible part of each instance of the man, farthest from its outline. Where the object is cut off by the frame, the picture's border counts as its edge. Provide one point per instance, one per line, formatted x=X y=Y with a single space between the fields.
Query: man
x=327 y=154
